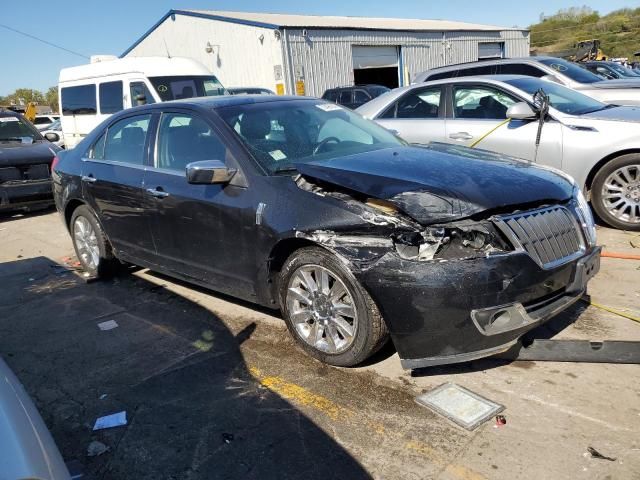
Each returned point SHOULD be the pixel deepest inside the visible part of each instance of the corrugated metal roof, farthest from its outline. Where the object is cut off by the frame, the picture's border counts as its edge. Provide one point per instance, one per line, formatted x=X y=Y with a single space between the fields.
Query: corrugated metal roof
x=314 y=21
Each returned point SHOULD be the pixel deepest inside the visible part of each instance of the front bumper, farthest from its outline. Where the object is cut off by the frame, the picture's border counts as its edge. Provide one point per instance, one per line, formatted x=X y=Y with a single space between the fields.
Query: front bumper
x=444 y=312
x=19 y=194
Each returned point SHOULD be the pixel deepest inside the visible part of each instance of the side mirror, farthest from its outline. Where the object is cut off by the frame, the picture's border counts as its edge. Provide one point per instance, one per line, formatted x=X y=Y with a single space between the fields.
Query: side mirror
x=208 y=172
x=141 y=99
x=52 y=136
x=521 y=111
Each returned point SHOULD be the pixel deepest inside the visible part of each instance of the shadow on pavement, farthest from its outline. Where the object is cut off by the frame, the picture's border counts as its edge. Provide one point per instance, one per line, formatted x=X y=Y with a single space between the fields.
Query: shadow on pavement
x=194 y=409
x=11 y=215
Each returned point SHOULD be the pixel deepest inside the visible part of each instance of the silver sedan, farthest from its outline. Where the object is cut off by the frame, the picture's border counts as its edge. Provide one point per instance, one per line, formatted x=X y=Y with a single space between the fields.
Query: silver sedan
x=596 y=143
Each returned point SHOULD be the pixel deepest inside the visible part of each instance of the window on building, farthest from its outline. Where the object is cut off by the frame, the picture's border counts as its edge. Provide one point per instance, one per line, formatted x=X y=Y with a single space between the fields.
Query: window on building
x=490 y=50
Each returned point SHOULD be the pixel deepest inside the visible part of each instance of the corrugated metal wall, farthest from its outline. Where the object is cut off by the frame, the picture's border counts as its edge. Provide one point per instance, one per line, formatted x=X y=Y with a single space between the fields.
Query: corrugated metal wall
x=324 y=56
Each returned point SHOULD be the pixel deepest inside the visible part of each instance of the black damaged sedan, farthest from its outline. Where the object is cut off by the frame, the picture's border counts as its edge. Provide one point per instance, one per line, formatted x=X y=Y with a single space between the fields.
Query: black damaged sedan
x=301 y=205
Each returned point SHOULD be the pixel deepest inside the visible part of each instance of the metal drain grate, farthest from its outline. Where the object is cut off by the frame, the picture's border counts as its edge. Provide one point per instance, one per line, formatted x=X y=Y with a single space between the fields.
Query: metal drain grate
x=459 y=405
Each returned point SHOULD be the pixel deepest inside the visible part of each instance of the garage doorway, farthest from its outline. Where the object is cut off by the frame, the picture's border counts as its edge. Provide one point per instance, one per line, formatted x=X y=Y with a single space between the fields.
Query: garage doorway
x=376 y=65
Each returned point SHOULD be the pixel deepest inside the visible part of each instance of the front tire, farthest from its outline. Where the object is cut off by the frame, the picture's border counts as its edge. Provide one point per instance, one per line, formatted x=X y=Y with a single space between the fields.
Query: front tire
x=90 y=243
x=327 y=311
x=615 y=192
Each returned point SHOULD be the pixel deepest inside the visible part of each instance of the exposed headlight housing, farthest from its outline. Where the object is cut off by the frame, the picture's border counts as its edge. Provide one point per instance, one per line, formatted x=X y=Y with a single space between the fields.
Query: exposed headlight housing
x=586 y=217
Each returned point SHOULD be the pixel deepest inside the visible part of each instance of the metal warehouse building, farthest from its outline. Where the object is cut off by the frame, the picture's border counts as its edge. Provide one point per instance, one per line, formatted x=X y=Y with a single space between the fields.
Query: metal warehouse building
x=300 y=54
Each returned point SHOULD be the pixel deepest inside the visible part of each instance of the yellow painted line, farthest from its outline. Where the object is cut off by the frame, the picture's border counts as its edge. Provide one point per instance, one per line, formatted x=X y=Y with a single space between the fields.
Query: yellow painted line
x=303 y=396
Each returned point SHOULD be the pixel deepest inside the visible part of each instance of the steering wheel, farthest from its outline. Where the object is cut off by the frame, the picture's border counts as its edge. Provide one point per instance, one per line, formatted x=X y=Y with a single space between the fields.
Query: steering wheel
x=323 y=143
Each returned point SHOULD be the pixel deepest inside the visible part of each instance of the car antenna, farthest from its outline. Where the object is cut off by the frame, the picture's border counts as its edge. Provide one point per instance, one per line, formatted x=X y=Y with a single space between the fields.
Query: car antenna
x=166 y=48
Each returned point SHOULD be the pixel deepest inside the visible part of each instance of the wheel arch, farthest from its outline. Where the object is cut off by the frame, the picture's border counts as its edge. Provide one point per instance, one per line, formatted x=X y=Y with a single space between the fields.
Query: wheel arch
x=71 y=206
x=596 y=168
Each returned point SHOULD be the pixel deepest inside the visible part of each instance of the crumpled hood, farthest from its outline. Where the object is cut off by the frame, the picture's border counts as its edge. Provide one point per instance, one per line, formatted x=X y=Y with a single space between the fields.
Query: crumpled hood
x=440 y=182
x=14 y=154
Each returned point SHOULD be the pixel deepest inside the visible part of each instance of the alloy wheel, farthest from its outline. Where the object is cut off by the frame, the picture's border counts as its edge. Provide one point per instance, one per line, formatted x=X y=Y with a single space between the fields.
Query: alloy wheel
x=86 y=242
x=321 y=309
x=621 y=194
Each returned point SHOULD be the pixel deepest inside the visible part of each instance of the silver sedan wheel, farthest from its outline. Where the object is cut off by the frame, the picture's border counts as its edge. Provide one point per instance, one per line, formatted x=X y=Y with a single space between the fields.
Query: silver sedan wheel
x=621 y=194
x=86 y=242
x=321 y=309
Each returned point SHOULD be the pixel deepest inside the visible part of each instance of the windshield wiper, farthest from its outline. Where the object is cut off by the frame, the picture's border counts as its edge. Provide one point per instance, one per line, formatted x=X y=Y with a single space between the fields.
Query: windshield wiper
x=285 y=169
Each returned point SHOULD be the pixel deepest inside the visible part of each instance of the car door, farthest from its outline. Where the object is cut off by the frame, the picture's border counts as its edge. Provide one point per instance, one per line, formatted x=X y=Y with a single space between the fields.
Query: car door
x=205 y=232
x=477 y=109
x=112 y=176
x=417 y=116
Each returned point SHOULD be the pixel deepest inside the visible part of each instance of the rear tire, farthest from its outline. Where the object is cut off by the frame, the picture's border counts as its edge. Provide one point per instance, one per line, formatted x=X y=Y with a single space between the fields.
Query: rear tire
x=90 y=243
x=615 y=192
x=327 y=311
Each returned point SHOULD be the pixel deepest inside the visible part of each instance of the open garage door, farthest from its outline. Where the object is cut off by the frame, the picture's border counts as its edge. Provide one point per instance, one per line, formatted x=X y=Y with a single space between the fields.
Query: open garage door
x=375 y=65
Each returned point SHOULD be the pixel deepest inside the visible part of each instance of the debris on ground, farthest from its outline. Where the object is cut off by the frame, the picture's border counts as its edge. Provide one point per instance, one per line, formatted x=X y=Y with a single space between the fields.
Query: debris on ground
x=110 y=421
x=95 y=449
x=108 y=325
x=501 y=420
x=227 y=437
x=596 y=454
x=459 y=405
x=103 y=396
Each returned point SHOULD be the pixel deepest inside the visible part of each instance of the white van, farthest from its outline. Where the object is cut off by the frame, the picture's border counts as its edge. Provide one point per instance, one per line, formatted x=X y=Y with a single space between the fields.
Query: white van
x=90 y=93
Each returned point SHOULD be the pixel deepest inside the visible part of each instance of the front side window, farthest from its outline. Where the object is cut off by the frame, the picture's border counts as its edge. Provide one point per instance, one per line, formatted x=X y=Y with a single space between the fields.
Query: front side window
x=281 y=134
x=183 y=139
x=140 y=94
x=345 y=97
x=110 y=97
x=330 y=95
x=80 y=100
x=125 y=140
x=187 y=86
x=481 y=103
x=423 y=103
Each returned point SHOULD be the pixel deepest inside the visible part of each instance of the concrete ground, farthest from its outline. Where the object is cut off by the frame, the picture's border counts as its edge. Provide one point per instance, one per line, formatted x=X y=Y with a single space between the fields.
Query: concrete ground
x=215 y=388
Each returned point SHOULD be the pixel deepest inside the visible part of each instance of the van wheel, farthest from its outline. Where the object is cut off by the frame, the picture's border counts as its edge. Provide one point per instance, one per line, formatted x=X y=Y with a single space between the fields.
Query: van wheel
x=327 y=311
x=616 y=192
x=91 y=246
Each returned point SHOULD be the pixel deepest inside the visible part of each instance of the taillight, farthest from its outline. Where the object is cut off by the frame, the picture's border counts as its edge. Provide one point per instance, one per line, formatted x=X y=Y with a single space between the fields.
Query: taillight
x=54 y=163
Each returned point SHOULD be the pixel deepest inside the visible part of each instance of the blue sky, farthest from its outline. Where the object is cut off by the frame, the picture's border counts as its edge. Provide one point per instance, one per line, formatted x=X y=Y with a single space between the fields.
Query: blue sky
x=109 y=27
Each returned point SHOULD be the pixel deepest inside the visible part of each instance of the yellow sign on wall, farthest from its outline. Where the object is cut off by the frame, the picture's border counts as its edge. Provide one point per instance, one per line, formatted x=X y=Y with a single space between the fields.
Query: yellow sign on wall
x=300 y=87
x=280 y=88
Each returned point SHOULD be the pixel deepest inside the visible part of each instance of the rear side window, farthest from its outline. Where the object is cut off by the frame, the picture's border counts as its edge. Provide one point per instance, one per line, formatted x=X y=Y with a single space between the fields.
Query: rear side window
x=80 y=100
x=422 y=103
x=330 y=95
x=111 y=97
x=126 y=138
x=520 y=69
x=41 y=120
x=97 y=149
x=345 y=97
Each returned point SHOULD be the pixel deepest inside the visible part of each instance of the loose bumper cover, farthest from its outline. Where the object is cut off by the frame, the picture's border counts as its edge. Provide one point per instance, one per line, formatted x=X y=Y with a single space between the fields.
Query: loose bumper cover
x=452 y=311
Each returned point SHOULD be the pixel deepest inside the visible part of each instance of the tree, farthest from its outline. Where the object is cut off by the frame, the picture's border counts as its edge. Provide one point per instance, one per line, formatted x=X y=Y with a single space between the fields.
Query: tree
x=24 y=96
x=51 y=98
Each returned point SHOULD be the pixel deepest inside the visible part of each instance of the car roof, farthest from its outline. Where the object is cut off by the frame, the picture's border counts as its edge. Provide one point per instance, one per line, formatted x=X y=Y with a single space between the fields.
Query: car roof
x=493 y=61
x=10 y=113
x=466 y=79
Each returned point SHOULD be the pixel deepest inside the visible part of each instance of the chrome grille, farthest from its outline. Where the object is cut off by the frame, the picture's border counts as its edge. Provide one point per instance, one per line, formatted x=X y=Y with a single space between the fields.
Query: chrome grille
x=551 y=236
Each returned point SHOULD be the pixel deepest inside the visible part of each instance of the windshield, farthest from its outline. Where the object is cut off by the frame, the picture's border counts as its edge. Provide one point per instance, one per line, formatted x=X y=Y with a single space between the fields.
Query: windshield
x=625 y=72
x=282 y=133
x=187 y=86
x=14 y=129
x=571 y=70
x=561 y=98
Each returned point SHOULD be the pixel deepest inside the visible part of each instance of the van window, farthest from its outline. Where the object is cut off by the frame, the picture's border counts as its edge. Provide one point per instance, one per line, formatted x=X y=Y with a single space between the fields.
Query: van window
x=80 y=100
x=111 y=97
x=137 y=89
x=187 y=86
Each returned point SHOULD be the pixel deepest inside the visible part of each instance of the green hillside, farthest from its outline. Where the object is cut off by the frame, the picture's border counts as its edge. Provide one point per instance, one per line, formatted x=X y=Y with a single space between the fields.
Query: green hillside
x=619 y=31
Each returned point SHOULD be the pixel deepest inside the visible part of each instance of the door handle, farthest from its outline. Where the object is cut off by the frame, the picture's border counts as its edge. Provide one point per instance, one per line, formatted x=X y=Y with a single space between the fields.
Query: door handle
x=89 y=178
x=154 y=192
x=461 y=136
